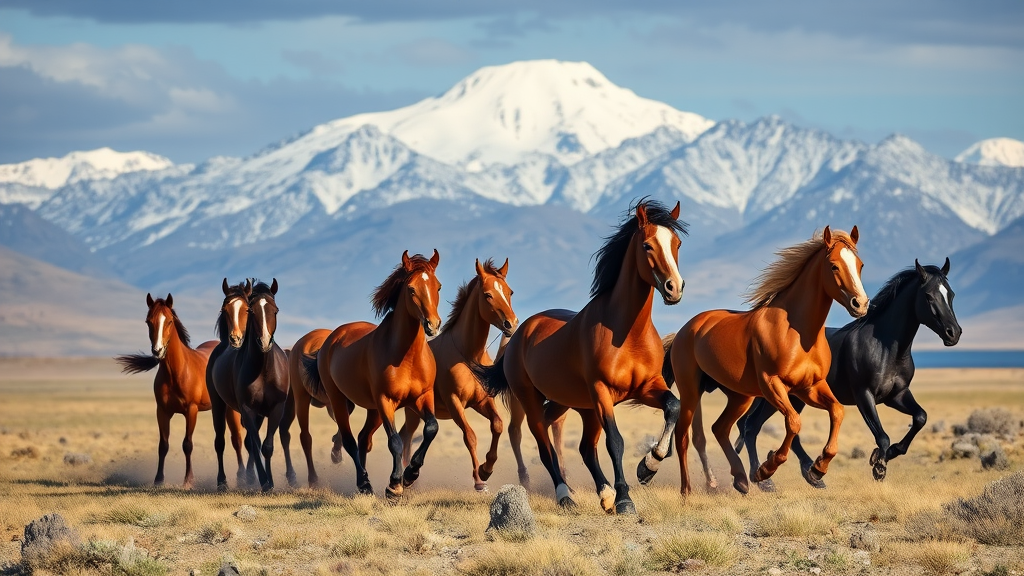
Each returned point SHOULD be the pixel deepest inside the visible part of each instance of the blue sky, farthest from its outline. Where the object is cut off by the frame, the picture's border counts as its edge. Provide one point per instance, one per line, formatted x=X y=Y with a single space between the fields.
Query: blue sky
x=191 y=80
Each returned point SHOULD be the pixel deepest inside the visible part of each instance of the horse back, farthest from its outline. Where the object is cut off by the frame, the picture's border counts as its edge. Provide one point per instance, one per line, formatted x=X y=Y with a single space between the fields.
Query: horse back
x=721 y=344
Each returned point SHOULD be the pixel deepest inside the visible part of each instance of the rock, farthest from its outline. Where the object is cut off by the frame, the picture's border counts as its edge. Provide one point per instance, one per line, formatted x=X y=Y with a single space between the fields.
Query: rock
x=865 y=538
x=246 y=513
x=995 y=458
x=44 y=537
x=959 y=429
x=228 y=569
x=691 y=564
x=862 y=557
x=511 y=511
x=964 y=450
x=858 y=453
x=815 y=570
x=77 y=459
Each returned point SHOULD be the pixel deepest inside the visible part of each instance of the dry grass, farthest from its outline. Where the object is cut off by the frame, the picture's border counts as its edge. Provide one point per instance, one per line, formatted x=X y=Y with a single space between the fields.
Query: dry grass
x=711 y=548
x=545 y=558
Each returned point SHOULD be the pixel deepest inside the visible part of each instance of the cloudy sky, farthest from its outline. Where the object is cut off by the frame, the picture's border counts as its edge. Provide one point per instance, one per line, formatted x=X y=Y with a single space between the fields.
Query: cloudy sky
x=190 y=79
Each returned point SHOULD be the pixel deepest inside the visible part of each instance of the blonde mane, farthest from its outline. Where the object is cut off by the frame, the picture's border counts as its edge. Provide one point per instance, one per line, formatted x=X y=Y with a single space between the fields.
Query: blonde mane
x=791 y=261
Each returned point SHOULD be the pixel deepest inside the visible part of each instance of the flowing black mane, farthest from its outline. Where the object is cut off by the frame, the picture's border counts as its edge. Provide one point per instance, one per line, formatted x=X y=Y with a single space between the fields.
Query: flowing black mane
x=610 y=256
x=385 y=296
x=221 y=327
x=886 y=295
x=463 y=294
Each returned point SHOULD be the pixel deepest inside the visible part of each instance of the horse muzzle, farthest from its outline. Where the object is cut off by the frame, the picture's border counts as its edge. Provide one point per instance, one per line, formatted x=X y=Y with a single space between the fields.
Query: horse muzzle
x=431 y=329
x=857 y=306
x=235 y=341
x=159 y=354
x=952 y=336
x=672 y=291
x=508 y=327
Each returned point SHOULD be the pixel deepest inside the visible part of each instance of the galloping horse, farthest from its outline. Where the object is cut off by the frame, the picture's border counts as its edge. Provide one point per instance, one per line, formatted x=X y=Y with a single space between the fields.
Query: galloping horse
x=775 y=349
x=250 y=375
x=872 y=362
x=384 y=368
x=484 y=301
x=607 y=353
x=180 y=383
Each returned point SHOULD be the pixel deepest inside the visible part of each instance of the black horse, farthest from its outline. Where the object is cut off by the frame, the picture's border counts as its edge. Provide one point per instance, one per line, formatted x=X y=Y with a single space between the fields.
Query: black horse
x=872 y=364
x=249 y=373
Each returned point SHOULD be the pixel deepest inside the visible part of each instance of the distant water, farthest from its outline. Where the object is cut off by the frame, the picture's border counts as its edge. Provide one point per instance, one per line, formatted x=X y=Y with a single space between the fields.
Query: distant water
x=969 y=358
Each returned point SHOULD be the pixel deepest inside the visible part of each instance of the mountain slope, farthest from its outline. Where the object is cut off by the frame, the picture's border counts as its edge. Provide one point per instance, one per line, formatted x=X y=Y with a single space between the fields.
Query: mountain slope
x=990 y=274
x=994 y=152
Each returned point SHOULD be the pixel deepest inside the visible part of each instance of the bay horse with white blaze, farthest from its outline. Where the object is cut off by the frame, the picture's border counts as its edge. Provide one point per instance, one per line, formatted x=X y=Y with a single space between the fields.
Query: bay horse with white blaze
x=772 y=350
x=384 y=368
x=180 y=382
x=608 y=353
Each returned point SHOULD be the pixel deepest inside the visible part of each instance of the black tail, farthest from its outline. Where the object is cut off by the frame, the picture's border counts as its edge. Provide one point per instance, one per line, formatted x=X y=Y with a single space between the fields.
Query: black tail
x=492 y=377
x=666 y=364
x=309 y=374
x=137 y=363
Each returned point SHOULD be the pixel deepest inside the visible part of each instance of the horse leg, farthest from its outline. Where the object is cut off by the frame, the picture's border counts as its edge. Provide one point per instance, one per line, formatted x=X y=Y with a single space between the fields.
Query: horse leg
x=700 y=444
x=458 y=414
x=735 y=406
x=163 y=422
x=616 y=447
x=186 y=445
x=286 y=439
x=866 y=404
x=233 y=421
x=344 y=437
x=905 y=403
x=220 y=411
x=588 y=450
x=658 y=396
x=273 y=423
x=515 y=437
x=687 y=375
x=393 y=493
x=412 y=421
x=301 y=400
x=753 y=421
x=533 y=408
x=820 y=396
x=490 y=411
x=365 y=438
x=425 y=406
x=252 y=422
x=777 y=394
x=798 y=448
x=554 y=418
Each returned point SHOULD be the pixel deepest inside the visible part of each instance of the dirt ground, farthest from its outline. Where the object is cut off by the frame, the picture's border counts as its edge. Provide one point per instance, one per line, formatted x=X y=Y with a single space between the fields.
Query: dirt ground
x=52 y=408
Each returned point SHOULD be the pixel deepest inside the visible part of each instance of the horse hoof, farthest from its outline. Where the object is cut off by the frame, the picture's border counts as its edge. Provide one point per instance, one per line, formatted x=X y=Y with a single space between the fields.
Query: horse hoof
x=222 y=486
x=524 y=480
x=813 y=478
x=626 y=506
x=567 y=504
x=158 y=483
x=250 y=479
x=766 y=485
x=410 y=476
x=393 y=494
x=485 y=475
x=878 y=471
x=741 y=485
x=607 y=496
x=336 y=456
x=713 y=484
x=644 y=473
x=267 y=487
x=365 y=488
x=480 y=487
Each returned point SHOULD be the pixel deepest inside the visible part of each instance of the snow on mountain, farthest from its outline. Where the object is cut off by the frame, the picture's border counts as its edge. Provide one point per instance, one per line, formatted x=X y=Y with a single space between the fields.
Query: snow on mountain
x=994 y=152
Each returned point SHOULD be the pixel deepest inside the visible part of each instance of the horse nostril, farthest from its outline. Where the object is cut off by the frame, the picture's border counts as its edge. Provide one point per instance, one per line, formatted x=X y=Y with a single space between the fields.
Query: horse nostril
x=855 y=303
x=507 y=325
x=669 y=287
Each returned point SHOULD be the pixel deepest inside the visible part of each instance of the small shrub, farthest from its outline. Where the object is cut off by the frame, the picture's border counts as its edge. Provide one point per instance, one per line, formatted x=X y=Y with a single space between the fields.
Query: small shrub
x=356 y=544
x=75 y=459
x=712 y=548
x=27 y=452
x=939 y=557
x=132 y=513
x=993 y=421
x=996 y=516
x=124 y=560
x=792 y=519
x=214 y=533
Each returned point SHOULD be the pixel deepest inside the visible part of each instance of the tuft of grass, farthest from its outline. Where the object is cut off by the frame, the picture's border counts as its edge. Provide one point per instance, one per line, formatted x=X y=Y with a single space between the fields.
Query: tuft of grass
x=357 y=543
x=538 y=558
x=791 y=519
x=995 y=517
x=939 y=557
x=132 y=513
x=214 y=533
x=628 y=563
x=120 y=560
x=712 y=548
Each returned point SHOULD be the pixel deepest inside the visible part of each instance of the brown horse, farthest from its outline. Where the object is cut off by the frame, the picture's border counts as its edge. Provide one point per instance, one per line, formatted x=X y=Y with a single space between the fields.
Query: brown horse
x=384 y=368
x=180 y=383
x=776 y=349
x=608 y=353
x=484 y=301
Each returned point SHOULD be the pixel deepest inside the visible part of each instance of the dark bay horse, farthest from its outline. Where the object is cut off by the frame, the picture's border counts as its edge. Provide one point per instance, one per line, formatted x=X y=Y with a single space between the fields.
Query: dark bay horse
x=775 y=349
x=484 y=301
x=384 y=368
x=250 y=375
x=607 y=353
x=180 y=382
x=872 y=363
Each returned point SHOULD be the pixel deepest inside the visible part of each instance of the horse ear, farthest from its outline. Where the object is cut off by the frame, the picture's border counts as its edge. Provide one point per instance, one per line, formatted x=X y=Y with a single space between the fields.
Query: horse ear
x=479 y=269
x=504 y=268
x=641 y=215
x=827 y=236
x=675 y=212
x=224 y=286
x=273 y=287
x=920 y=270
x=855 y=234
x=435 y=259
x=149 y=300
x=406 y=262
x=945 y=267
x=248 y=287
x=169 y=300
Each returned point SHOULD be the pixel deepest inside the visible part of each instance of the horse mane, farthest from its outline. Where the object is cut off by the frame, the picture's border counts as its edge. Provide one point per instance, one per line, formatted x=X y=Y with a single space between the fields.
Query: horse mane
x=791 y=261
x=178 y=326
x=260 y=288
x=221 y=326
x=462 y=297
x=610 y=256
x=886 y=295
x=385 y=297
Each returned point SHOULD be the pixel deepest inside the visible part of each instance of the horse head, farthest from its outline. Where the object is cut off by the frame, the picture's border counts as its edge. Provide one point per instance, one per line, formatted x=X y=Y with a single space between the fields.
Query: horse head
x=657 y=253
x=263 y=313
x=234 y=311
x=160 y=320
x=422 y=291
x=934 y=303
x=496 y=304
x=840 y=273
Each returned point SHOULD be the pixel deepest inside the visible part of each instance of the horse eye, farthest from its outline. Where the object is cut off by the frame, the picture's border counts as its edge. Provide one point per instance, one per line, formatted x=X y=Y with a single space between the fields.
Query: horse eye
x=488 y=296
x=648 y=247
x=835 y=268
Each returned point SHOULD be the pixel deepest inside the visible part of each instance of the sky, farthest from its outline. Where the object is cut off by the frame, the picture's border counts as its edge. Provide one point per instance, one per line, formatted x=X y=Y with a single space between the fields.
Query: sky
x=190 y=80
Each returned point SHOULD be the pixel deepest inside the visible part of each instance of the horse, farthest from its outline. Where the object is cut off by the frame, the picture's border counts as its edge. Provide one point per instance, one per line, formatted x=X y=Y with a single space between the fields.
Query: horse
x=384 y=368
x=179 y=385
x=484 y=301
x=250 y=375
x=776 y=348
x=872 y=363
x=608 y=353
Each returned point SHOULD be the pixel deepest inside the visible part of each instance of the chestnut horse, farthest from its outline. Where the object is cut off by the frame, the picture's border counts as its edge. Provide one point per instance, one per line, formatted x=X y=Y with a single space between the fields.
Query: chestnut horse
x=484 y=301
x=384 y=368
x=776 y=349
x=180 y=383
x=250 y=375
x=608 y=353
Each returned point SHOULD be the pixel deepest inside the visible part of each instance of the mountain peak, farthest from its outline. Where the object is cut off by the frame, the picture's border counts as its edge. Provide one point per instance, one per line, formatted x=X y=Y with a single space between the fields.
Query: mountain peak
x=99 y=164
x=994 y=152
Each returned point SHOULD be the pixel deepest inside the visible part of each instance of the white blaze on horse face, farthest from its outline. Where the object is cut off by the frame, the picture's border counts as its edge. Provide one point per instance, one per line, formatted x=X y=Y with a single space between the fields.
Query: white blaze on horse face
x=266 y=331
x=497 y=286
x=236 y=310
x=945 y=297
x=665 y=236
x=160 y=333
x=850 y=260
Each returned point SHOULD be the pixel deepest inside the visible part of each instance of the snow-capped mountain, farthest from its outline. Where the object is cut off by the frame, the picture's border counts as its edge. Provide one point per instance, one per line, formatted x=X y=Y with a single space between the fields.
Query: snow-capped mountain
x=994 y=152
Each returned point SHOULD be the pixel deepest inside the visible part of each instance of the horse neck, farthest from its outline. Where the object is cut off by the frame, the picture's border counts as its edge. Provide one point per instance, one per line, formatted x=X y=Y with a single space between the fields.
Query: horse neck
x=897 y=325
x=401 y=329
x=632 y=299
x=805 y=300
x=251 y=350
x=176 y=351
x=469 y=334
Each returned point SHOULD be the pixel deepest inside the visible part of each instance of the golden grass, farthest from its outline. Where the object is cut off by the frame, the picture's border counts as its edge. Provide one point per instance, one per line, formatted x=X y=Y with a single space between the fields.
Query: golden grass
x=539 y=558
x=711 y=548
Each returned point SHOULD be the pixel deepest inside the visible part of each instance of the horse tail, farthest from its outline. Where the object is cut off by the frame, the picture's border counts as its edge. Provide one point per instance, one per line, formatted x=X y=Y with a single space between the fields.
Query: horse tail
x=666 y=364
x=492 y=377
x=137 y=363
x=309 y=374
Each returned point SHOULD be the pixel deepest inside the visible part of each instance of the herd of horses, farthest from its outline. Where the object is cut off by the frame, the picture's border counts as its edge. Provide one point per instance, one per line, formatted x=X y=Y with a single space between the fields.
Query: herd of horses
x=777 y=352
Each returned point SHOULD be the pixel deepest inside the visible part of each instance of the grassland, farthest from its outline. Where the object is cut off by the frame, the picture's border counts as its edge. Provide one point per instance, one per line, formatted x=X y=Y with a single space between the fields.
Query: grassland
x=49 y=409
